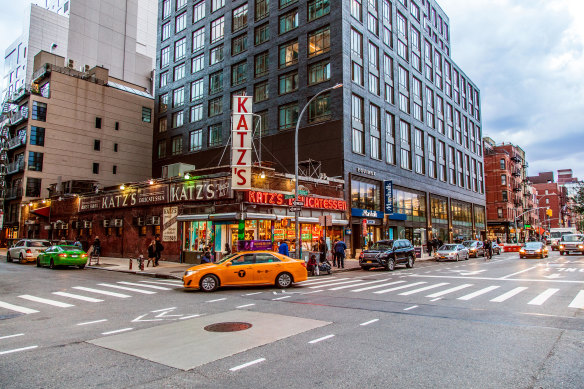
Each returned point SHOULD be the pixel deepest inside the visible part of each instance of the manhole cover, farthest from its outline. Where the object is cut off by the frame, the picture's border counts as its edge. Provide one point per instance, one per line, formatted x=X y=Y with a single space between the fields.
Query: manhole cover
x=228 y=327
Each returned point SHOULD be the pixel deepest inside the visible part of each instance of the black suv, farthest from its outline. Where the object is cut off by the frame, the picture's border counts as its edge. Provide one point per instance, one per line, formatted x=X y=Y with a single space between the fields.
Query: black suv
x=388 y=253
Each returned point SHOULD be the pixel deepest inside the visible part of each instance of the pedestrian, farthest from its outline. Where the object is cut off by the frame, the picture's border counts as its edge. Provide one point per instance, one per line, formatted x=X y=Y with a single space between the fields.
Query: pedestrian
x=488 y=247
x=429 y=247
x=435 y=245
x=62 y=241
x=151 y=253
x=283 y=248
x=339 y=250
x=311 y=266
x=159 y=248
x=78 y=243
x=227 y=249
x=206 y=258
x=335 y=252
x=322 y=249
x=97 y=246
x=440 y=243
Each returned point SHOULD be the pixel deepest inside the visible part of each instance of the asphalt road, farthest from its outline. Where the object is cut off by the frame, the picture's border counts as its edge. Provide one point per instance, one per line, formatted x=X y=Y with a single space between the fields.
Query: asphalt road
x=503 y=323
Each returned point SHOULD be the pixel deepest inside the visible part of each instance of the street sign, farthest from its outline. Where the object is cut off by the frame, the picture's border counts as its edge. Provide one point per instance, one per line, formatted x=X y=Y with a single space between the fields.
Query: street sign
x=295 y=209
x=298 y=203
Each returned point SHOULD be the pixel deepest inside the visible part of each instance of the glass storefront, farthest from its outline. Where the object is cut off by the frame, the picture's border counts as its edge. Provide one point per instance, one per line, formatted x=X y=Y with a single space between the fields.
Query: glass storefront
x=412 y=204
x=439 y=215
x=461 y=220
x=479 y=221
x=198 y=235
x=365 y=194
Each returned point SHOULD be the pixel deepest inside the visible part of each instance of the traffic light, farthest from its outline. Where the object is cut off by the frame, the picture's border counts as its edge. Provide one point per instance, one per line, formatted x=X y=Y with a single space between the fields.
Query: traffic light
x=549 y=212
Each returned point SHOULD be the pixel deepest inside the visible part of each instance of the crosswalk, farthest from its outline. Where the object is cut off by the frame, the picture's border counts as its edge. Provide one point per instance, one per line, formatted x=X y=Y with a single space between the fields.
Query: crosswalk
x=77 y=294
x=463 y=292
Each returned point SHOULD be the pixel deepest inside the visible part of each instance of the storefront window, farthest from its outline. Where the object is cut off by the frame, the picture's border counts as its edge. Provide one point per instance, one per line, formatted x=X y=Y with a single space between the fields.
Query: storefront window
x=198 y=235
x=439 y=212
x=461 y=220
x=365 y=195
x=411 y=204
x=479 y=214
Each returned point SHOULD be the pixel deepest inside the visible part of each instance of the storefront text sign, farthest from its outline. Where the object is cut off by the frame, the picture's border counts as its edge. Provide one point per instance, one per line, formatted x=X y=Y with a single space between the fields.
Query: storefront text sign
x=269 y=198
x=169 y=224
x=388 y=196
x=199 y=190
x=366 y=213
x=241 y=138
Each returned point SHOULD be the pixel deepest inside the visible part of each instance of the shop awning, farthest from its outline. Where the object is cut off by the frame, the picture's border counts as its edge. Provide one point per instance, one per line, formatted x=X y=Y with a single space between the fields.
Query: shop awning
x=184 y=218
x=253 y=216
x=44 y=211
x=259 y=216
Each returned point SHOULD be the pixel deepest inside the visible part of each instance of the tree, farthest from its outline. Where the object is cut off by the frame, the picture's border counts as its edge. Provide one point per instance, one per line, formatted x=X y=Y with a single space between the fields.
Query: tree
x=578 y=199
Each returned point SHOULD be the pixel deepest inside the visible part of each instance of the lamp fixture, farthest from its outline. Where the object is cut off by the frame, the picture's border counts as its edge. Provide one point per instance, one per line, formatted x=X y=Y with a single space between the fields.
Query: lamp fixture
x=262 y=175
x=151 y=182
x=122 y=187
x=187 y=176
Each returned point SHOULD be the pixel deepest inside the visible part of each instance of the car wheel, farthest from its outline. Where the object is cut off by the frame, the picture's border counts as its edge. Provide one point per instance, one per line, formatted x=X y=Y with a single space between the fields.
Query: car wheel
x=8 y=257
x=81 y=266
x=52 y=264
x=410 y=262
x=390 y=265
x=209 y=283
x=20 y=258
x=467 y=257
x=561 y=253
x=364 y=268
x=38 y=262
x=457 y=258
x=284 y=280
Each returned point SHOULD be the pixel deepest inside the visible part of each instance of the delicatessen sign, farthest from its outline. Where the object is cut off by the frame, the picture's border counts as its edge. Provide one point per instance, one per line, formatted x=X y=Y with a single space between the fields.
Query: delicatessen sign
x=270 y=198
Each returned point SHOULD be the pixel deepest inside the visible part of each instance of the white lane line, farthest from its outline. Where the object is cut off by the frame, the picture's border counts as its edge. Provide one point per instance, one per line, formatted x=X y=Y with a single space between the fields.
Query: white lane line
x=519 y=272
x=10 y=336
x=251 y=294
x=17 y=308
x=163 y=309
x=99 y=291
x=409 y=292
x=478 y=293
x=91 y=322
x=329 y=281
x=17 y=350
x=247 y=364
x=245 y=306
x=318 y=280
x=282 y=298
x=321 y=339
x=334 y=283
x=369 y=322
x=144 y=286
x=78 y=297
x=508 y=295
x=436 y=299
x=412 y=307
x=443 y=292
x=399 y=287
x=188 y=317
x=378 y=286
x=169 y=283
x=361 y=284
x=116 y=331
x=46 y=301
x=213 y=301
x=126 y=288
x=542 y=297
x=314 y=291
x=578 y=301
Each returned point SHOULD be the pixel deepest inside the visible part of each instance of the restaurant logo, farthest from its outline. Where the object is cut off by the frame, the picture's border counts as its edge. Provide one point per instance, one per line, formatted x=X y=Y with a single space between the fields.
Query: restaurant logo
x=270 y=198
x=241 y=138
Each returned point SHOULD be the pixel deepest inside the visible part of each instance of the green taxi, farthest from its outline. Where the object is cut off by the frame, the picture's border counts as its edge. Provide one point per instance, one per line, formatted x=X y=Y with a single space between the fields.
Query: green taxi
x=62 y=256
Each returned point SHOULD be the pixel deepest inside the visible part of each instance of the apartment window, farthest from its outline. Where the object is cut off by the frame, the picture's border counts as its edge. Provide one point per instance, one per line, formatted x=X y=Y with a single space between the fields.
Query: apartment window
x=115 y=147
x=180 y=4
x=429 y=107
x=260 y=123
x=288 y=54
x=198 y=11
x=146 y=116
x=115 y=170
x=178 y=97
x=319 y=110
x=357 y=73
x=262 y=34
x=358 y=132
x=162 y=124
x=459 y=168
x=197 y=63
x=262 y=9
x=261 y=63
x=239 y=19
x=285 y=3
x=217 y=29
x=452 y=165
x=432 y=171
x=357 y=9
x=97 y=122
x=318 y=8
x=239 y=44
x=39 y=112
x=33 y=187
x=239 y=73
x=260 y=92
x=372 y=24
x=197 y=90
x=163 y=79
x=319 y=72
x=97 y=145
x=419 y=151
x=319 y=41
x=195 y=140
x=166 y=31
x=467 y=171
x=374 y=84
x=196 y=113
x=505 y=195
x=357 y=43
x=500 y=213
x=165 y=57
x=162 y=149
x=287 y=116
x=215 y=106
x=389 y=94
x=176 y=142
x=404 y=100
x=374 y=130
x=288 y=83
x=180 y=22
x=415 y=10
x=502 y=165
x=35 y=161
x=215 y=135
x=178 y=119
x=217 y=4
x=180 y=49
x=405 y=145
x=417 y=94
x=441 y=161
x=163 y=102
x=503 y=179
x=179 y=71
x=216 y=55
x=388 y=67
x=166 y=9
x=198 y=39
x=216 y=82
x=37 y=136
x=288 y=22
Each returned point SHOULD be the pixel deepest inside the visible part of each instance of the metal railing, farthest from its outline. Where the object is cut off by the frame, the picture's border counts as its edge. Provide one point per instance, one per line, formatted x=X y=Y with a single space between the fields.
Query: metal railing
x=15 y=167
x=15 y=142
x=19 y=116
x=13 y=193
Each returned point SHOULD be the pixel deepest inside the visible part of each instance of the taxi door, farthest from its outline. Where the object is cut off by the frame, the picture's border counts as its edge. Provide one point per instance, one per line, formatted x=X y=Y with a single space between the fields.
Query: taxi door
x=266 y=268
x=240 y=272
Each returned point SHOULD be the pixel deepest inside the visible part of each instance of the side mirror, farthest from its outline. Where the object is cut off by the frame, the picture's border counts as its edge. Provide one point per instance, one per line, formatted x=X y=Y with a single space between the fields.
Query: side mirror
x=228 y=264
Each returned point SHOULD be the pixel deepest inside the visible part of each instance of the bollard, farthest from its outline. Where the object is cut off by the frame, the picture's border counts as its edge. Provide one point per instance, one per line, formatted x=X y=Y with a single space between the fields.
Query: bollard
x=141 y=261
x=130 y=268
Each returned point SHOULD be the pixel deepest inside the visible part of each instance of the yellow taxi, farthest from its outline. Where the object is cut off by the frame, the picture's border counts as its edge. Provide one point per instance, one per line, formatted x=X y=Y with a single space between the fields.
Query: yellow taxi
x=246 y=268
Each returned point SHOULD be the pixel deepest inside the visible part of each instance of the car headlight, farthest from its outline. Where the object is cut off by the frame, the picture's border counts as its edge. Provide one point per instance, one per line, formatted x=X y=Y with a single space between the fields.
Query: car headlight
x=562 y=246
x=581 y=247
x=538 y=251
x=522 y=250
x=451 y=254
x=189 y=272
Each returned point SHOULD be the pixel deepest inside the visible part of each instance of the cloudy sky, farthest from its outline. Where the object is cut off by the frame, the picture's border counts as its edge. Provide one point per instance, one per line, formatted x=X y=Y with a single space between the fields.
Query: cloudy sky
x=527 y=58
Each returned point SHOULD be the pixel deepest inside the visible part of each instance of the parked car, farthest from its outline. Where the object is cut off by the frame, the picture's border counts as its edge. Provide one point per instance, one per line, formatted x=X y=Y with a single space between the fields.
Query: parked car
x=26 y=250
x=454 y=252
x=533 y=249
x=61 y=255
x=571 y=243
x=388 y=253
x=475 y=248
x=246 y=268
x=496 y=248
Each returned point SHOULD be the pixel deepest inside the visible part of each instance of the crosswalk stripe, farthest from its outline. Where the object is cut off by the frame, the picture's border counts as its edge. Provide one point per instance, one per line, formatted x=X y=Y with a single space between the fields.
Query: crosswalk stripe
x=451 y=290
x=478 y=293
x=334 y=283
x=542 y=297
x=409 y=292
x=508 y=295
x=578 y=301
x=317 y=282
x=163 y=282
x=126 y=288
x=144 y=286
x=354 y=285
x=377 y=286
x=78 y=297
x=99 y=291
x=46 y=301
x=17 y=308
x=399 y=287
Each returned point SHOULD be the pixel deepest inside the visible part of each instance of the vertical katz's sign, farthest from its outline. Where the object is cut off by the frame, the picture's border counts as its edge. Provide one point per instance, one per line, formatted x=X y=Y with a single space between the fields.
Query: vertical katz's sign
x=241 y=135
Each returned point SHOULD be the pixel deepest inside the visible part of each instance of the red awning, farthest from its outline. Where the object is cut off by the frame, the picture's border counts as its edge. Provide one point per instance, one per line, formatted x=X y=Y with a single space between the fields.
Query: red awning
x=45 y=211
x=540 y=230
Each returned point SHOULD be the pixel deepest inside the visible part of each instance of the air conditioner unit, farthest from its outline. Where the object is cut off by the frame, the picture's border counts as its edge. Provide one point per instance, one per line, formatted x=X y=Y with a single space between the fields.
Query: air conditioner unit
x=140 y=221
x=176 y=170
x=118 y=222
x=106 y=223
x=87 y=224
x=71 y=64
x=76 y=225
x=64 y=226
x=153 y=221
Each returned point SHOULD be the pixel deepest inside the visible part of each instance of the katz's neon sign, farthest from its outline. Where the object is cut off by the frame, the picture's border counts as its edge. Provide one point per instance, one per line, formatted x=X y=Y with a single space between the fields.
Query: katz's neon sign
x=268 y=198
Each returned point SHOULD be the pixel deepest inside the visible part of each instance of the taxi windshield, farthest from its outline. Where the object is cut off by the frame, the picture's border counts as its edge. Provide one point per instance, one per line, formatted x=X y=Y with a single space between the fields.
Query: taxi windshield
x=533 y=245
x=226 y=258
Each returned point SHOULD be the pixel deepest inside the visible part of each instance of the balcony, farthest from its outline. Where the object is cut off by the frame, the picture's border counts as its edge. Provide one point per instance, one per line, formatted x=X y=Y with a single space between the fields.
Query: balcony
x=516 y=173
x=18 y=117
x=13 y=193
x=40 y=73
x=516 y=189
x=18 y=94
x=516 y=158
x=16 y=142
x=15 y=167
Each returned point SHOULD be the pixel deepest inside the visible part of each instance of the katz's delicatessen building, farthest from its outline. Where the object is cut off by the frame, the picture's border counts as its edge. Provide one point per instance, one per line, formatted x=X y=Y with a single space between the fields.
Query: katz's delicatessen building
x=201 y=210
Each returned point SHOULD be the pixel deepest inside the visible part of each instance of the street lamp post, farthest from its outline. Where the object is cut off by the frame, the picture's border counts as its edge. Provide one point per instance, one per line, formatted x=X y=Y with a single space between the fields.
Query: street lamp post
x=296 y=209
x=515 y=221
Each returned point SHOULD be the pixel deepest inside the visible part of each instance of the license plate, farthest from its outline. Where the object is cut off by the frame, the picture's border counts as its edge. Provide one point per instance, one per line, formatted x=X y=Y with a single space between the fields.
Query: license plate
x=369 y=261
x=74 y=256
x=442 y=257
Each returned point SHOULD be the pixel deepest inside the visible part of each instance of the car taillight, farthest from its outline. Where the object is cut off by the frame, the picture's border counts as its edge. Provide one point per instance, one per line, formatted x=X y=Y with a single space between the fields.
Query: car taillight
x=28 y=251
x=62 y=255
x=361 y=255
x=303 y=263
x=83 y=255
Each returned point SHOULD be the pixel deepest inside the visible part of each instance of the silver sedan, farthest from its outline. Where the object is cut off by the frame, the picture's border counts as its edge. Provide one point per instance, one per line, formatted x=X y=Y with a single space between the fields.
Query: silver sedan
x=452 y=252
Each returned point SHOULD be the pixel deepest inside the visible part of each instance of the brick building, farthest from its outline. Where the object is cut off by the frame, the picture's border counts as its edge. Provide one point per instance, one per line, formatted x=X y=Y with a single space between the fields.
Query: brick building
x=554 y=195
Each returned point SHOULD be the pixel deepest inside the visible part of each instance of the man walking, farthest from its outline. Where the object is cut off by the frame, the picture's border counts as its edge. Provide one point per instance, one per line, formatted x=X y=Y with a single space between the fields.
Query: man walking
x=339 y=251
x=159 y=248
x=283 y=248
